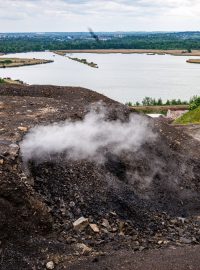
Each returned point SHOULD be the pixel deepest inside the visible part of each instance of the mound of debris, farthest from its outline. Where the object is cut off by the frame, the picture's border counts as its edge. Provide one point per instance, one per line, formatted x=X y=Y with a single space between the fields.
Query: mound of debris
x=59 y=207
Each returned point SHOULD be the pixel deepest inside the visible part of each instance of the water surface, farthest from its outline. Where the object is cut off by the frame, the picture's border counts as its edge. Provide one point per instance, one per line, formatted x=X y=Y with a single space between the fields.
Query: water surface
x=122 y=77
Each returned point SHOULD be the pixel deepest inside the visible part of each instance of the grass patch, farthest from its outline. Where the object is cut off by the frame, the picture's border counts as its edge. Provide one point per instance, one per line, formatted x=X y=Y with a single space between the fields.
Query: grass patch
x=191 y=117
x=5 y=62
x=2 y=80
x=84 y=61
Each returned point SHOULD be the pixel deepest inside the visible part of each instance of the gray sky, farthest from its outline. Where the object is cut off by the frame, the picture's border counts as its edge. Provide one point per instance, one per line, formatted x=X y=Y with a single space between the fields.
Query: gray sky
x=101 y=15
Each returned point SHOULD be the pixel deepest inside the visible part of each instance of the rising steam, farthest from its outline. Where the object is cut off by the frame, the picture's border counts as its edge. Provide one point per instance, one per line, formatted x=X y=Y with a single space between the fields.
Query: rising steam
x=85 y=139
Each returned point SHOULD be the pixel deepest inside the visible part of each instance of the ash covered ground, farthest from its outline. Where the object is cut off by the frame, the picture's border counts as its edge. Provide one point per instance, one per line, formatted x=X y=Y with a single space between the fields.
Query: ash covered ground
x=63 y=211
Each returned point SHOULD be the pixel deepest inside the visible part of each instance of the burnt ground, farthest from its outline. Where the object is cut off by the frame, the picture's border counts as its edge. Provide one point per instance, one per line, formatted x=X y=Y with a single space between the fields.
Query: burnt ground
x=192 y=130
x=142 y=202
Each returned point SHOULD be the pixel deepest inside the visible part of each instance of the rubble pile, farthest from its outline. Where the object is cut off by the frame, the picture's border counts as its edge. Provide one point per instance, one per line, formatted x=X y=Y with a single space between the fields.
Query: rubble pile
x=60 y=209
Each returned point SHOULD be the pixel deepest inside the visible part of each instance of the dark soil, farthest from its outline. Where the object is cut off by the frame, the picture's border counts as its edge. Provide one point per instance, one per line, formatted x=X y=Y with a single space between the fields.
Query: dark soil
x=150 y=199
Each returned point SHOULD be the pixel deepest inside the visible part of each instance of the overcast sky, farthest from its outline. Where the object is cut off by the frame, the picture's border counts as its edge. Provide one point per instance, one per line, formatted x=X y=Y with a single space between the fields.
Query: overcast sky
x=100 y=15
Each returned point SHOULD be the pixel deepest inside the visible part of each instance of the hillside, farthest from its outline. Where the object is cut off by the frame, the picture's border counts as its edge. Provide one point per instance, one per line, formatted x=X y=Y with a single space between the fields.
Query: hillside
x=62 y=204
x=191 y=117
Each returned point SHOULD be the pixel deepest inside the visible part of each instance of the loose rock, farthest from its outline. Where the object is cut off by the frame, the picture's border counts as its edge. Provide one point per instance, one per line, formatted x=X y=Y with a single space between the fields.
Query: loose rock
x=95 y=228
x=50 y=265
x=80 y=224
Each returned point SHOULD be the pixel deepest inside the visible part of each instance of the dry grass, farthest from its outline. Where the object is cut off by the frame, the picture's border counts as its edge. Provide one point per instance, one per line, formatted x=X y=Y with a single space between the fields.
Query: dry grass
x=193 y=61
x=131 y=51
x=159 y=108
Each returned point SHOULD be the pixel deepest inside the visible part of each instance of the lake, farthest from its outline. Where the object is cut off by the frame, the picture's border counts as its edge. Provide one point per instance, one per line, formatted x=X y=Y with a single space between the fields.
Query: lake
x=122 y=77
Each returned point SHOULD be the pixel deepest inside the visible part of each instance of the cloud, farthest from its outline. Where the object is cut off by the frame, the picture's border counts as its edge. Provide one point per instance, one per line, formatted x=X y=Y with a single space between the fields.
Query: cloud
x=77 y=15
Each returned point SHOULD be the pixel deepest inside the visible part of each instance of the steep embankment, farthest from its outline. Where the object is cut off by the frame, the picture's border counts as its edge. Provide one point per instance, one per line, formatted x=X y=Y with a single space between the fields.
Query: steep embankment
x=191 y=117
x=145 y=196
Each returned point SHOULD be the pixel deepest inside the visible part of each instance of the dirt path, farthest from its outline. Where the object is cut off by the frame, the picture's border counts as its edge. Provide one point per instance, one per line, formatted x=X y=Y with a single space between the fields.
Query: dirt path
x=183 y=258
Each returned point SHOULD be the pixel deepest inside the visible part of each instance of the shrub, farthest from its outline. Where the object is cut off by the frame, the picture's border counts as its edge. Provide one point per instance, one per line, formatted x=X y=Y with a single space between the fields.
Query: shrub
x=2 y=80
x=6 y=61
x=194 y=102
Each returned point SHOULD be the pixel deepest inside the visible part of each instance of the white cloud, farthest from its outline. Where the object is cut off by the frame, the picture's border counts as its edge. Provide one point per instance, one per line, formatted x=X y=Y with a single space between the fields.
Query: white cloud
x=110 y=15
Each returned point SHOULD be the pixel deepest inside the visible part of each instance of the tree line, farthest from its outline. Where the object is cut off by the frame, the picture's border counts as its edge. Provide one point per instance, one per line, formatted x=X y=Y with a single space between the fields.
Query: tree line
x=193 y=103
x=157 y=41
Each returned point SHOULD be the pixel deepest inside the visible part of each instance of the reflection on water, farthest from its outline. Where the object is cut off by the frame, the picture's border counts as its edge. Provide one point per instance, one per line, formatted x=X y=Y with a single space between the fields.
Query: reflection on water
x=123 y=77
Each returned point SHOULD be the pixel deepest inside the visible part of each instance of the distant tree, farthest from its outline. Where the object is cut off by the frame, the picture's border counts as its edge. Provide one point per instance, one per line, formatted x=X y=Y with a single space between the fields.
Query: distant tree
x=2 y=80
x=194 y=102
x=159 y=103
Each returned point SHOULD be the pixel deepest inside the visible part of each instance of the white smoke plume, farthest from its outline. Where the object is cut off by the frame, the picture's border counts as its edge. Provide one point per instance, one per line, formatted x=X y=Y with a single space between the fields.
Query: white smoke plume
x=84 y=139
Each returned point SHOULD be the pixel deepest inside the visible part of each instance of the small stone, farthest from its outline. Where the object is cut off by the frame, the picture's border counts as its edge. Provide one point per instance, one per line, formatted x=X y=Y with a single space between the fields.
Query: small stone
x=24 y=129
x=104 y=231
x=113 y=213
x=50 y=265
x=13 y=149
x=181 y=219
x=70 y=240
x=121 y=226
x=134 y=237
x=114 y=229
x=185 y=240
x=85 y=250
x=1 y=161
x=72 y=204
x=80 y=224
x=173 y=221
x=160 y=242
x=94 y=227
x=105 y=223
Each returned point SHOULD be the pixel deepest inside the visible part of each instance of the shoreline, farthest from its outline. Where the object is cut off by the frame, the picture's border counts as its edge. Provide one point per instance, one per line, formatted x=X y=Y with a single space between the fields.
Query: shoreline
x=193 y=61
x=160 y=107
x=132 y=51
x=20 y=62
x=83 y=61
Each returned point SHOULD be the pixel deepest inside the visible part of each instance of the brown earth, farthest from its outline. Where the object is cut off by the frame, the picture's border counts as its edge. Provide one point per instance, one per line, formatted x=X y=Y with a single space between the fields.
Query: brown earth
x=159 y=108
x=18 y=62
x=130 y=51
x=184 y=258
x=39 y=203
x=193 y=61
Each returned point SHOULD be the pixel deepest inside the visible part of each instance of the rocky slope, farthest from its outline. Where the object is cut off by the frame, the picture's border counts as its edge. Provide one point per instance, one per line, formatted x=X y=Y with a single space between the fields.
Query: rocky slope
x=60 y=210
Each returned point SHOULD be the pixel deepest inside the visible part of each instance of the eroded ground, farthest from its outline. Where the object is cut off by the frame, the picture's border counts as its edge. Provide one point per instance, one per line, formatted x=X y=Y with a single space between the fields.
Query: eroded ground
x=129 y=224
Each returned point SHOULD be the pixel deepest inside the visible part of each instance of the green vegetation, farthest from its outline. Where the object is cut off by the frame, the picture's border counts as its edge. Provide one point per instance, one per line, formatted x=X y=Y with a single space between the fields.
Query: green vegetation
x=194 y=102
x=10 y=81
x=148 y=101
x=191 y=117
x=5 y=62
x=186 y=41
x=84 y=61
x=151 y=105
x=2 y=80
